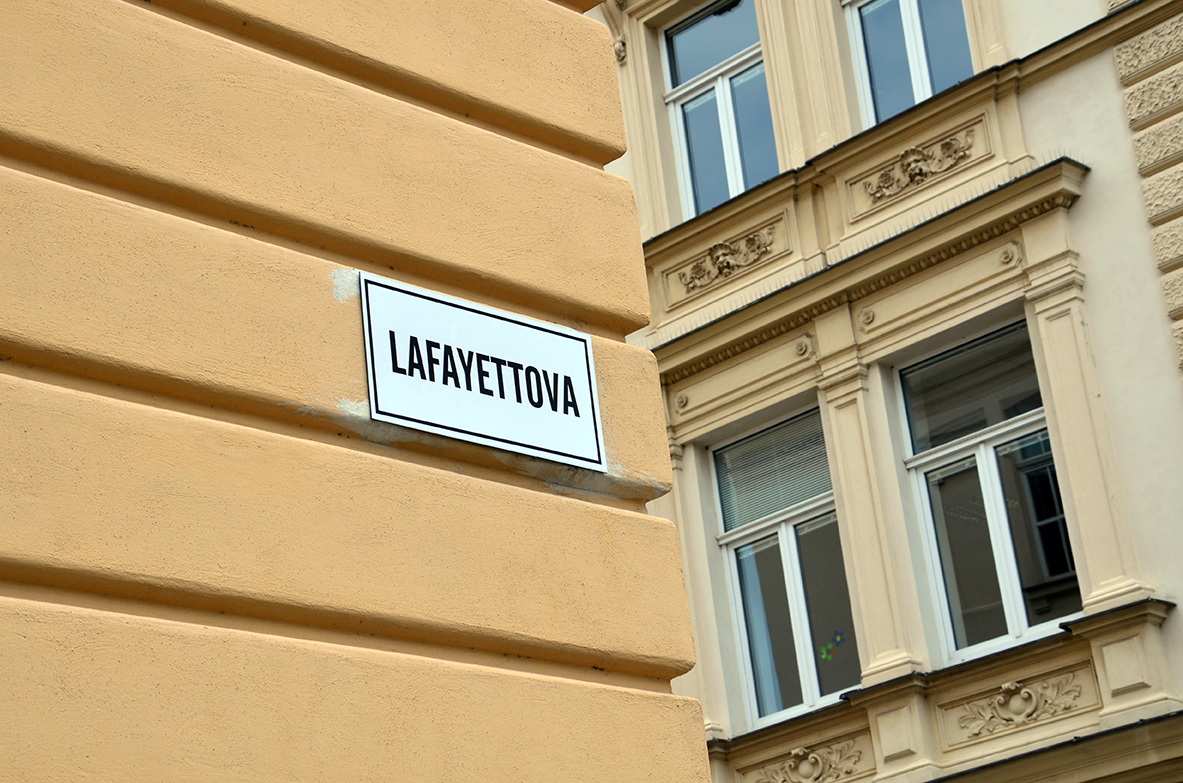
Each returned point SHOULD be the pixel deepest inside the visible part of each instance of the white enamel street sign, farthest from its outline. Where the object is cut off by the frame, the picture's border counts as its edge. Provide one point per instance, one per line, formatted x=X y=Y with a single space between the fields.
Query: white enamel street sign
x=443 y=365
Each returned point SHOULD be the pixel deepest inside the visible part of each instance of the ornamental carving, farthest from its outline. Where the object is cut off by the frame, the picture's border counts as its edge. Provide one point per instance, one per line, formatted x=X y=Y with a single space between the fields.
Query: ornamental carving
x=822 y=765
x=1018 y=705
x=916 y=165
x=724 y=259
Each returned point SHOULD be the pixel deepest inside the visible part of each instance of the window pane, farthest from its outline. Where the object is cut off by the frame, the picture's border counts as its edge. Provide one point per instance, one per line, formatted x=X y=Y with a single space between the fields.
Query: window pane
x=980 y=384
x=770 y=628
x=1037 y=527
x=709 y=38
x=946 y=42
x=967 y=560
x=887 y=58
x=704 y=143
x=831 y=627
x=772 y=470
x=753 y=121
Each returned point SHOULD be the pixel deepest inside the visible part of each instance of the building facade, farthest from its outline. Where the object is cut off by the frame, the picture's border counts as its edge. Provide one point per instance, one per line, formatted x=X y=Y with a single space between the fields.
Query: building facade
x=914 y=268
x=214 y=564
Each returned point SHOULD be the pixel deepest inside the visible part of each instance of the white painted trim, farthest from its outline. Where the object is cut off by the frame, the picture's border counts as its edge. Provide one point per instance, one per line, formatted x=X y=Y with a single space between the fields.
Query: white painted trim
x=718 y=79
x=914 y=49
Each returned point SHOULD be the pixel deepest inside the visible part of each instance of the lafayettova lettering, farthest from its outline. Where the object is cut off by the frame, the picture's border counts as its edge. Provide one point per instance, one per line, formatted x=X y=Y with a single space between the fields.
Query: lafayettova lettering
x=543 y=388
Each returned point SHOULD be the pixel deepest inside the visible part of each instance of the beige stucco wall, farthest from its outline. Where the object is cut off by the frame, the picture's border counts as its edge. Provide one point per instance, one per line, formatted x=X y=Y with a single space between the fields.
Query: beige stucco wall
x=213 y=565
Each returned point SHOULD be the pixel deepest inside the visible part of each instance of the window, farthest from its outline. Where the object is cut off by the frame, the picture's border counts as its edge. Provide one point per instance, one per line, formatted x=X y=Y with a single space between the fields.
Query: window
x=983 y=473
x=905 y=51
x=718 y=102
x=781 y=540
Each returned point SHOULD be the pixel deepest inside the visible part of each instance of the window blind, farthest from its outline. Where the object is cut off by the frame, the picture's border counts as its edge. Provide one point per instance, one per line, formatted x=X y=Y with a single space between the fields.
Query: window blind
x=772 y=470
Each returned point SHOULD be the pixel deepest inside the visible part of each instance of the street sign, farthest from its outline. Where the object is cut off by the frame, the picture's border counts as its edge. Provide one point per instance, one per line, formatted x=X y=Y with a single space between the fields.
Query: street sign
x=463 y=370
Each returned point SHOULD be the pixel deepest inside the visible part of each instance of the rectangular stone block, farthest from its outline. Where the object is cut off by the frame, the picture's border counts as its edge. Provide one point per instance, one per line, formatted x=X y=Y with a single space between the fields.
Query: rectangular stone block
x=1167 y=241
x=1177 y=338
x=1155 y=98
x=165 y=109
x=288 y=340
x=1157 y=48
x=464 y=56
x=1159 y=145
x=1172 y=289
x=1163 y=195
x=105 y=696
x=117 y=497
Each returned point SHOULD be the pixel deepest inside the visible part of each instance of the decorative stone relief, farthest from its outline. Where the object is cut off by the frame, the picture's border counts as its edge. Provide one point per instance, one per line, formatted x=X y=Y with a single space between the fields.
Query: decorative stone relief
x=1163 y=195
x=1018 y=705
x=724 y=259
x=821 y=765
x=1172 y=289
x=916 y=165
x=1159 y=95
x=1159 y=144
x=1161 y=43
x=1168 y=245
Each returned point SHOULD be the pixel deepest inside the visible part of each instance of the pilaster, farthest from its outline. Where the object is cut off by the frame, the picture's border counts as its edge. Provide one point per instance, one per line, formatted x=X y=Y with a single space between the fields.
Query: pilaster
x=1105 y=561
x=870 y=569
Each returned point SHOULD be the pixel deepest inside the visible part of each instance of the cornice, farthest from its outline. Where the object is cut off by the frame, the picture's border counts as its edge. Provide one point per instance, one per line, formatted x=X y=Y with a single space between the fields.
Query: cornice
x=1010 y=77
x=1062 y=198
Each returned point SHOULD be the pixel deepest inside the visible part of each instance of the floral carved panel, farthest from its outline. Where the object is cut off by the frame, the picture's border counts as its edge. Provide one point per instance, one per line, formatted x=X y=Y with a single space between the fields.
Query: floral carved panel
x=1015 y=705
x=851 y=758
x=725 y=259
x=917 y=166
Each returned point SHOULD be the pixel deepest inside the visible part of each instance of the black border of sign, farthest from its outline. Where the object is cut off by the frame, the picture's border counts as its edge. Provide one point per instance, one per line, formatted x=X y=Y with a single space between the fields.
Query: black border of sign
x=598 y=462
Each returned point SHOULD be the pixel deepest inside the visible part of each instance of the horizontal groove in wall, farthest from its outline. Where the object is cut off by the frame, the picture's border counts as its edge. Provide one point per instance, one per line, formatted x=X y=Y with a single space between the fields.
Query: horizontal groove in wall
x=466 y=59
x=149 y=504
x=291 y=151
x=288 y=342
x=210 y=704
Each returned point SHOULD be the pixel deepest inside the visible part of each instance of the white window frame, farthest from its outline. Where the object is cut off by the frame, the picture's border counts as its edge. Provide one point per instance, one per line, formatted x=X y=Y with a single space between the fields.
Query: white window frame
x=980 y=445
x=718 y=78
x=913 y=43
x=783 y=523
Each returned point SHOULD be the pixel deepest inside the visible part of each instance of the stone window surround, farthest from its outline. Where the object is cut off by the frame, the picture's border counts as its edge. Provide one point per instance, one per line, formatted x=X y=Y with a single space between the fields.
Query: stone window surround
x=801 y=44
x=1029 y=269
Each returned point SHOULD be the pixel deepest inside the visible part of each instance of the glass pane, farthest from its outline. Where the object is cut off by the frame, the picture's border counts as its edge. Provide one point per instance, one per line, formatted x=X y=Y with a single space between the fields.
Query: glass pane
x=946 y=42
x=770 y=629
x=753 y=121
x=967 y=561
x=707 y=39
x=887 y=58
x=772 y=470
x=1047 y=573
x=972 y=387
x=704 y=142
x=831 y=627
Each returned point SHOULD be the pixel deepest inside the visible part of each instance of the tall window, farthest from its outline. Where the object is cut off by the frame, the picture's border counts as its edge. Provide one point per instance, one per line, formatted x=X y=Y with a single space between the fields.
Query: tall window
x=906 y=51
x=781 y=539
x=983 y=471
x=718 y=103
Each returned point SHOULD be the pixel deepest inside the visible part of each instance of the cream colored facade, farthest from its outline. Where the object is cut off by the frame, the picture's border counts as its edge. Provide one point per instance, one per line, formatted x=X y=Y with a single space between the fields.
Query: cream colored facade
x=213 y=564
x=1042 y=194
